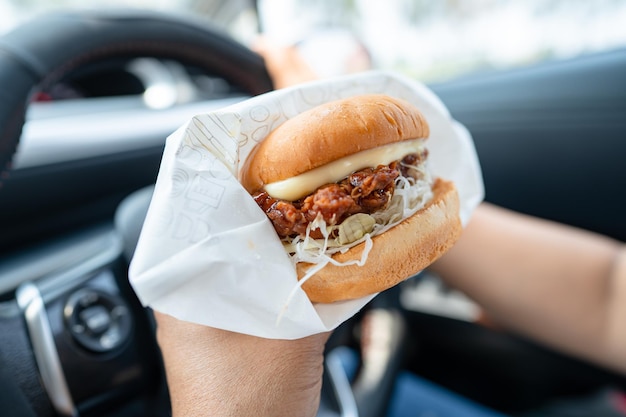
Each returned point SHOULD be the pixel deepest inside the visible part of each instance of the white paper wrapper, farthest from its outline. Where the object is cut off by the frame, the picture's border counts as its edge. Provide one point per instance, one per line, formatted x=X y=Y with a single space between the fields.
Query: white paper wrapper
x=208 y=254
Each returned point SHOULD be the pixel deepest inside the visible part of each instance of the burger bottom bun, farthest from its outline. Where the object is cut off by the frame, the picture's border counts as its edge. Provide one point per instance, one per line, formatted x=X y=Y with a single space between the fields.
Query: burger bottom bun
x=396 y=255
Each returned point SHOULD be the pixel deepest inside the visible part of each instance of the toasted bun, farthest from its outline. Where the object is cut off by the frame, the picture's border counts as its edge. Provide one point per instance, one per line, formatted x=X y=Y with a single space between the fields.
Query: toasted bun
x=396 y=255
x=329 y=132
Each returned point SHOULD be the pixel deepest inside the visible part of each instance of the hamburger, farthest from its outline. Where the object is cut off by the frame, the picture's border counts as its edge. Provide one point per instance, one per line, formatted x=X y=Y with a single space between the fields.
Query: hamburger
x=347 y=187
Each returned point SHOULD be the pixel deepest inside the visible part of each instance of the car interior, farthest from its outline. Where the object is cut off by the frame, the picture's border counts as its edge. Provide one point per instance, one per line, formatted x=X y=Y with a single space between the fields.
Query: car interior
x=87 y=102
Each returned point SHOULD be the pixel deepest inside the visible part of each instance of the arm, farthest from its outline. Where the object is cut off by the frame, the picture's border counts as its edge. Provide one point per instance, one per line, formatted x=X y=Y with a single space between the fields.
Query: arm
x=561 y=286
x=216 y=372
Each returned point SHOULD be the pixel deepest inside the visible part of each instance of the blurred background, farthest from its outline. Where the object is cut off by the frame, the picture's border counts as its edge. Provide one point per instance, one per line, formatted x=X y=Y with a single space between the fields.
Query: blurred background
x=430 y=40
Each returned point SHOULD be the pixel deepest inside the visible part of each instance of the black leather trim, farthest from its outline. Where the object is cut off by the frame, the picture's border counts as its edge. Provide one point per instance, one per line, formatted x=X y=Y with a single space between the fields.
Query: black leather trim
x=22 y=393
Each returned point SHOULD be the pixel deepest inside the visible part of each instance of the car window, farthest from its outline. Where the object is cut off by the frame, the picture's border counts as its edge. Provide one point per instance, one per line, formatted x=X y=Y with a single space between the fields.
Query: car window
x=237 y=17
x=438 y=40
x=431 y=41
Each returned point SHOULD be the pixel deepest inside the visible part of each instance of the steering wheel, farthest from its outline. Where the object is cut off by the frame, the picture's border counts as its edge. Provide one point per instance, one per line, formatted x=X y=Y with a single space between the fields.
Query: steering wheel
x=45 y=50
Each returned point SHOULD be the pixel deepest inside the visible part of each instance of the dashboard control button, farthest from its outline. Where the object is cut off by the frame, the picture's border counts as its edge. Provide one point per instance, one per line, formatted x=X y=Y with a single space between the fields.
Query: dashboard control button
x=98 y=321
x=96 y=318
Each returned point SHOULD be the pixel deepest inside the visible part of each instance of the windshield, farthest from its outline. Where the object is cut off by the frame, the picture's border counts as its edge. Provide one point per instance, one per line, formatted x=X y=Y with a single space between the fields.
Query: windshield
x=436 y=40
x=237 y=17
x=427 y=40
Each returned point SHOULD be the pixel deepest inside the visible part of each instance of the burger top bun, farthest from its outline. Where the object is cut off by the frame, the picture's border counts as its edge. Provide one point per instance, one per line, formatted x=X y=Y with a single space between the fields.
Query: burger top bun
x=328 y=132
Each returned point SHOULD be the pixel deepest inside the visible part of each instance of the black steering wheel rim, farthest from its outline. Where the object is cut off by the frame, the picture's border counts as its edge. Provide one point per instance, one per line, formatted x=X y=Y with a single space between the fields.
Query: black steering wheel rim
x=44 y=50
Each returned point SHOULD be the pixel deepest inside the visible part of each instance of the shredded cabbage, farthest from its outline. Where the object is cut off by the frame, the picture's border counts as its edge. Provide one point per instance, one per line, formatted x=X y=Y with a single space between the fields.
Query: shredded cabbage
x=410 y=195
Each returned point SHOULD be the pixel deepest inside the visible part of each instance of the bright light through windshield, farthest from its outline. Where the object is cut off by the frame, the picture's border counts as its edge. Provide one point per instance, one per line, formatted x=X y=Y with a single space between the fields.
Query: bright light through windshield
x=429 y=40
x=434 y=40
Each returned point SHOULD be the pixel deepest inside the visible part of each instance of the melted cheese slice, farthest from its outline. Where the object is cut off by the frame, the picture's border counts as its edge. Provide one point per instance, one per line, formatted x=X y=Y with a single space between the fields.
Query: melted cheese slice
x=293 y=188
